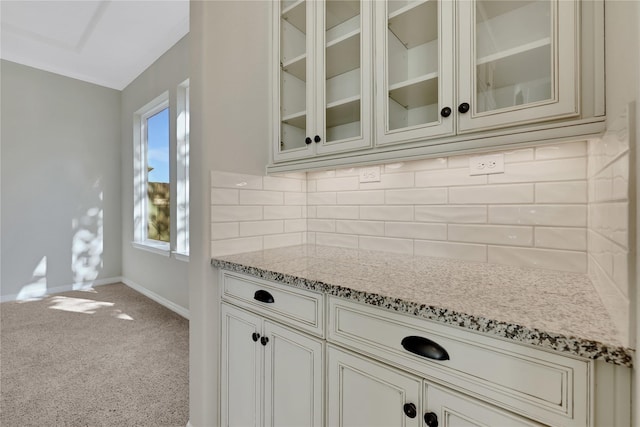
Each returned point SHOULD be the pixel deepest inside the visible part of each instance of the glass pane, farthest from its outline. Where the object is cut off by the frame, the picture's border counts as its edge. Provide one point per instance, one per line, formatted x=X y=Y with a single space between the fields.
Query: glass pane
x=342 y=69
x=293 y=74
x=412 y=63
x=158 y=199
x=513 y=53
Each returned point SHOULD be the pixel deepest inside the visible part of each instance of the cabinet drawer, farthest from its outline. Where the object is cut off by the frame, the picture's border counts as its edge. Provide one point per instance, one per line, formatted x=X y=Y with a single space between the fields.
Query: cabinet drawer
x=537 y=384
x=298 y=308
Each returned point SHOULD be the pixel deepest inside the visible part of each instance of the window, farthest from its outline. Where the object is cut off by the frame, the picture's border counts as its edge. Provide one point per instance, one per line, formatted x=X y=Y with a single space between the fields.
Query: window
x=161 y=175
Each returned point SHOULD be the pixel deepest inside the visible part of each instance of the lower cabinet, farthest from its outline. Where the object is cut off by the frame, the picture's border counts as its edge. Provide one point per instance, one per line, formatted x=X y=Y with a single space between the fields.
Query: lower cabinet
x=271 y=375
x=363 y=392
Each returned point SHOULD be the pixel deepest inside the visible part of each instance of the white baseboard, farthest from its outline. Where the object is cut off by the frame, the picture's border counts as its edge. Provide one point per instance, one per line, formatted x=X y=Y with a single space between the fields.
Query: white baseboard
x=58 y=289
x=157 y=298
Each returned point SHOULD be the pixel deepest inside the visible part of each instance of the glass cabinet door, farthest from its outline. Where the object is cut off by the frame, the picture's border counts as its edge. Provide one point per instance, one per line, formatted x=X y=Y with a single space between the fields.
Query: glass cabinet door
x=520 y=57
x=415 y=83
x=295 y=21
x=346 y=64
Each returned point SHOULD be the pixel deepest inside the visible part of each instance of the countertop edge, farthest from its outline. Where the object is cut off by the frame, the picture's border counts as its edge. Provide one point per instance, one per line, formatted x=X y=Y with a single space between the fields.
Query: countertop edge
x=576 y=346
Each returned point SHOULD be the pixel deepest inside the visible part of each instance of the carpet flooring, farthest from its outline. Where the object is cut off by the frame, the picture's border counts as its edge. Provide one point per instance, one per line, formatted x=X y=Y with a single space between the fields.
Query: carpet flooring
x=106 y=357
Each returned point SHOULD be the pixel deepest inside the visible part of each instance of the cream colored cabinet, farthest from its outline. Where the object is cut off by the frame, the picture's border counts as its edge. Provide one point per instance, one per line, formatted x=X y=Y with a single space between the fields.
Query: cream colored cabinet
x=322 y=90
x=515 y=63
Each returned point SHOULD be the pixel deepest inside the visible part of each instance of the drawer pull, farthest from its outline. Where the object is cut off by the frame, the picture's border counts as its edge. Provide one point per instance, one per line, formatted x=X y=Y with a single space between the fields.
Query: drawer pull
x=431 y=419
x=424 y=347
x=263 y=296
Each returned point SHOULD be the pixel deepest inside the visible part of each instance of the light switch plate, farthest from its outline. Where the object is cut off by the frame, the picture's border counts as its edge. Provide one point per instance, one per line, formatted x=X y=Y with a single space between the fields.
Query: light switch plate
x=370 y=174
x=486 y=165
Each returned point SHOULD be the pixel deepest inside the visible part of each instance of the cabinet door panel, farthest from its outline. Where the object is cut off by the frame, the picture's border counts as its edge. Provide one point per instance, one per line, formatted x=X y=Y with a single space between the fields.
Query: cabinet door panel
x=293 y=378
x=240 y=368
x=517 y=61
x=455 y=410
x=366 y=393
x=415 y=76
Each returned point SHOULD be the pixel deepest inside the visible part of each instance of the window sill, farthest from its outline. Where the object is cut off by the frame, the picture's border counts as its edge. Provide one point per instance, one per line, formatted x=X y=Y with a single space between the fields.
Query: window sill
x=154 y=247
x=181 y=256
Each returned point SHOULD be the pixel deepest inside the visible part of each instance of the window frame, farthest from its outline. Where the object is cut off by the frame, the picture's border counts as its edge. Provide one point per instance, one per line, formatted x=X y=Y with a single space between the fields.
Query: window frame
x=181 y=250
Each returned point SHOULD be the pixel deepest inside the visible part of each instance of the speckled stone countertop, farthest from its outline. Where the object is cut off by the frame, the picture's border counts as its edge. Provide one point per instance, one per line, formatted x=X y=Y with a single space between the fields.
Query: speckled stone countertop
x=549 y=309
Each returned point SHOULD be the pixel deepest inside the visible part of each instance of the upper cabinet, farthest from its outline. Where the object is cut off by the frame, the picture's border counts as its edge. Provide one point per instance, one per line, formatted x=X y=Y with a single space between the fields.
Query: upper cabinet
x=432 y=76
x=322 y=94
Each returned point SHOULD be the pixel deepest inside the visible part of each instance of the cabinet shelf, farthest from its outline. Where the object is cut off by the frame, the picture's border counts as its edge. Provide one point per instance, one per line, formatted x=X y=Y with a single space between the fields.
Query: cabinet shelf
x=416 y=23
x=298 y=119
x=338 y=12
x=416 y=92
x=297 y=67
x=343 y=111
x=343 y=54
x=296 y=14
x=490 y=9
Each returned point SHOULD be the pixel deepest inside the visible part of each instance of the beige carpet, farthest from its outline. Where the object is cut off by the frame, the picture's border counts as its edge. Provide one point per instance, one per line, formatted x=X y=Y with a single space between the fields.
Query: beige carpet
x=109 y=357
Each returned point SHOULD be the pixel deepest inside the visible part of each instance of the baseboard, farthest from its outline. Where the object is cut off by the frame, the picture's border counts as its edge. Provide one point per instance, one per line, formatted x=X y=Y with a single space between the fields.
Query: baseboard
x=189 y=424
x=157 y=298
x=58 y=289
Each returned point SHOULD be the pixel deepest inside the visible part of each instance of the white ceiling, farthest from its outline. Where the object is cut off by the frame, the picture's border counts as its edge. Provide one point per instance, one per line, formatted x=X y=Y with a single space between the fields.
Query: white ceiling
x=106 y=42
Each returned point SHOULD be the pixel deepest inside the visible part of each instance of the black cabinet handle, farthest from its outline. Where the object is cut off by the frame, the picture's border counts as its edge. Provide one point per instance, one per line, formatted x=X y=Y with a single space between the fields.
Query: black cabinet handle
x=463 y=108
x=255 y=336
x=445 y=112
x=263 y=296
x=264 y=340
x=410 y=410
x=424 y=347
x=307 y=140
x=317 y=139
x=431 y=419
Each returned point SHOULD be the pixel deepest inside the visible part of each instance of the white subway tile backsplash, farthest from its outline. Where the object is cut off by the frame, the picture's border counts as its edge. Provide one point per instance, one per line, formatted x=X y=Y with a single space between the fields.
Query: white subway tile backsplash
x=348 y=172
x=338 y=212
x=462 y=251
x=260 y=197
x=224 y=196
x=558 y=215
x=312 y=211
x=322 y=225
x=366 y=228
x=312 y=186
x=235 y=246
x=221 y=213
x=295 y=225
x=452 y=214
x=321 y=174
x=340 y=240
x=387 y=213
x=561 y=238
x=492 y=194
x=492 y=234
x=620 y=175
x=448 y=178
x=338 y=184
x=283 y=184
x=259 y=228
x=561 y=192
x=401 y=246
x=221 y=179
x=416 y=165
x=295 y=198
x=224 y=230
x=572 y=261
x=518 y=155
x=563 y=150
x=282 y=240
x=282 y=212
x=390 y=180
x=328 y=198
x=416 y=230
x=360 y=197
x=416 y=196
x=543 y=170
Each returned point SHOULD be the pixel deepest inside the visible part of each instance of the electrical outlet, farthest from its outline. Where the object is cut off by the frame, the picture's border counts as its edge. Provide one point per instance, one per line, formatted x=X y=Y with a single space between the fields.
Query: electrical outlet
x=370 y=174
x=486 y=165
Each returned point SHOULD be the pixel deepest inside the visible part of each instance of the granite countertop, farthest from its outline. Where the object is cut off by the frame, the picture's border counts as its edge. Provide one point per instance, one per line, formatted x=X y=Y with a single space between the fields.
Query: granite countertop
x=549 y=309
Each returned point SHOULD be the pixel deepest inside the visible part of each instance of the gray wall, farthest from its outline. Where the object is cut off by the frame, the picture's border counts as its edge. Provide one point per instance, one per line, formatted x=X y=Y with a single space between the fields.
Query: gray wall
x=60 y=177
x=230 y=114
x=158 y=275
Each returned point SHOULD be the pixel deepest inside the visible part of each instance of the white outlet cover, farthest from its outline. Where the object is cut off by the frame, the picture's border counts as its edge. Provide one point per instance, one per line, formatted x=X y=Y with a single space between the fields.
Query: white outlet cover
x=370 y=174
x=486 y=165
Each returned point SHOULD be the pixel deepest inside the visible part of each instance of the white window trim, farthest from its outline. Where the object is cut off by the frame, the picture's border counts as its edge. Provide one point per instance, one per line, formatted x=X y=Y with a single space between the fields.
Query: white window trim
x=140 y=177
x=182 y=172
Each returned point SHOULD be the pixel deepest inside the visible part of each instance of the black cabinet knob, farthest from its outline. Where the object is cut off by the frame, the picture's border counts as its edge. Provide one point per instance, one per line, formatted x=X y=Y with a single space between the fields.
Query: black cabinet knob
x=410 y=410
x=431 y=419
x=307 y=140
x=317 y=139
x=264 y=340
x=463 y=108
x=255 y=336
x=445 y=112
